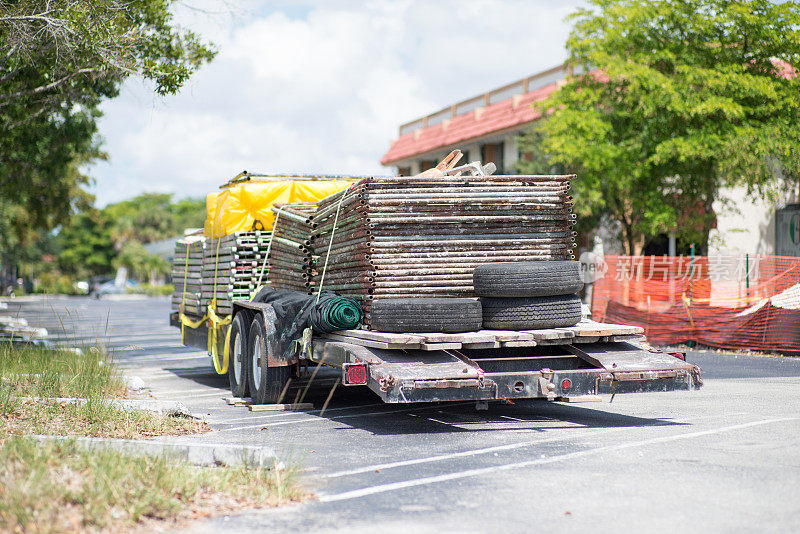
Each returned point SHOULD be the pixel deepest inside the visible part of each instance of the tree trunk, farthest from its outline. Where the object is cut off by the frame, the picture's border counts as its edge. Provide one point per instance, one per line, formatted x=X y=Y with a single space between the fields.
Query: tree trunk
x=640 y=242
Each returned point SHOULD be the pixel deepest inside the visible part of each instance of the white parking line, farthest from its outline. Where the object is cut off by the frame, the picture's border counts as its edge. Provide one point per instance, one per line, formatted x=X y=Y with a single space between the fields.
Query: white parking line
x=497 y=448
x=319 y=419
x=363 y=492
x=473 y=452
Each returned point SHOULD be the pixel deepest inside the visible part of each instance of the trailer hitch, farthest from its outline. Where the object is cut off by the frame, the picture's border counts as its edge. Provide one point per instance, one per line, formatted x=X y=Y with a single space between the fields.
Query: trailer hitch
x=546 y=386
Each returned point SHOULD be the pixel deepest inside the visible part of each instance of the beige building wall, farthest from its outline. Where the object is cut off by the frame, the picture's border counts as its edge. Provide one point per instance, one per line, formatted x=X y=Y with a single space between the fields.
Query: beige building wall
x=745 y=225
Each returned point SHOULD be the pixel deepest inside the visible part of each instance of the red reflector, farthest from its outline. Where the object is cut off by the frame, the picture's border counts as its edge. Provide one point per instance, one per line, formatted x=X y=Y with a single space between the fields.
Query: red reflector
x=356 y=374
x=566 y=383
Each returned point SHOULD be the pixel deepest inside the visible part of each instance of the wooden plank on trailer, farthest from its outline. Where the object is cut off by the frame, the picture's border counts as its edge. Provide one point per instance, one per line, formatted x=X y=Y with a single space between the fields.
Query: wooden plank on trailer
x=440 y=346
x=590 y=329
x=387 y=337
x=626 y=330
x=462 y=337
x=566 y=332
x=607 y=329
x=508 y=335
x=546 y=334
x=627 y=337
x=370 y=343
x=586 y=339
x=521 y=343
x=491 y=345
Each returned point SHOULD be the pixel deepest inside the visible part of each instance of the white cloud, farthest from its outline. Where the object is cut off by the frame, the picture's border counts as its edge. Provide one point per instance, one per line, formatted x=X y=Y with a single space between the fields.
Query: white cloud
x=317 y=87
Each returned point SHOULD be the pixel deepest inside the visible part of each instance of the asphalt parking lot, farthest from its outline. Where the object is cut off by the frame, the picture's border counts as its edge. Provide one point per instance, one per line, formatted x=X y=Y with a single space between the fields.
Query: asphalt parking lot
x=725 y=458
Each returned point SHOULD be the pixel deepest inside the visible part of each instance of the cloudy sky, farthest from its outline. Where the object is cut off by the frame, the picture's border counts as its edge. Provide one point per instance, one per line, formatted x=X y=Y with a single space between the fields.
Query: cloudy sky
x=303 y=87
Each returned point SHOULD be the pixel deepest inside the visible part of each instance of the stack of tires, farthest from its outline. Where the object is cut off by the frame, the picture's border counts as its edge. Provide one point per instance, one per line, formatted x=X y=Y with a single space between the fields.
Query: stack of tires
x=529 y=295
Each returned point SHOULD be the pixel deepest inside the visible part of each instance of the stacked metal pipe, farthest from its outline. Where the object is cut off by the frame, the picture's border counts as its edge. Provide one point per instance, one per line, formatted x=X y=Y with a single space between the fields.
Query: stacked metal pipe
x=290 y=257
x=422 y=236
x=232 y=268
x=187 y=272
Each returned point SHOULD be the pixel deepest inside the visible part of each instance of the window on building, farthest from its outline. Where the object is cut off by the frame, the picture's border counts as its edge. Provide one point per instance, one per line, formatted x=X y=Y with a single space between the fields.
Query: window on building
x=424 y=165
x=403 y=171
x=493 y=152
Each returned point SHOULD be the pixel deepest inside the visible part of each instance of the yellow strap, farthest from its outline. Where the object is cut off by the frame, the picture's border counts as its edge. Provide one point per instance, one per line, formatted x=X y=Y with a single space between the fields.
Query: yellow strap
x=215 y=323
x=183 y=297
x=185 y=321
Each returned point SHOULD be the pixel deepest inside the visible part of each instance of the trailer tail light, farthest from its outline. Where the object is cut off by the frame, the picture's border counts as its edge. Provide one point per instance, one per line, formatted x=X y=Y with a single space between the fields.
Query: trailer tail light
x=566 y=384
x=355 y=374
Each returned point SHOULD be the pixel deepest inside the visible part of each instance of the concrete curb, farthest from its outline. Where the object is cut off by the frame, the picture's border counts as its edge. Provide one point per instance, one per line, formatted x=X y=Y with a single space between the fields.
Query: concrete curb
x=197 y=454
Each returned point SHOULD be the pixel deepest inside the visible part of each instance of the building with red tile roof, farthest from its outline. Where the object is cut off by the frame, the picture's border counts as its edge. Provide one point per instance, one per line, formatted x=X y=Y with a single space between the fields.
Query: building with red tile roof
x=484 y=127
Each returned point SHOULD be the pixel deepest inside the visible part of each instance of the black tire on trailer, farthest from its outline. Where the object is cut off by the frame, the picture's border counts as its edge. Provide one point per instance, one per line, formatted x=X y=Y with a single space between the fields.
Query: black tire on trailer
x=527 y=279
x=531 y=313
x=426 y=315
x=237 y=354
x=266 y=383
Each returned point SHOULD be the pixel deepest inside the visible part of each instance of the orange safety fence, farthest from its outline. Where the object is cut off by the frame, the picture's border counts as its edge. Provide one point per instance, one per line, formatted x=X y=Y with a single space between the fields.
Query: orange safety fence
x=747 y=302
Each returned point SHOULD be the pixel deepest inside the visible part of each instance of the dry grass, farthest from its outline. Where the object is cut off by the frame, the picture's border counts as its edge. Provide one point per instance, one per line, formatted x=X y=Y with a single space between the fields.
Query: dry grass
x=58 y=487
x=95 y=418
x=91 y=375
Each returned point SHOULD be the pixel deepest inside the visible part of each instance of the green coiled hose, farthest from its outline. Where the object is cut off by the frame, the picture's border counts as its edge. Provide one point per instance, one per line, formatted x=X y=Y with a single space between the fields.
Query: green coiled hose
x=332 y=313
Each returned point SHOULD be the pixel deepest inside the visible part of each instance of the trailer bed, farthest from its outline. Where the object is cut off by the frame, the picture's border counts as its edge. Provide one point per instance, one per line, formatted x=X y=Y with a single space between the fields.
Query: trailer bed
x=586 y=331
x=569 y=363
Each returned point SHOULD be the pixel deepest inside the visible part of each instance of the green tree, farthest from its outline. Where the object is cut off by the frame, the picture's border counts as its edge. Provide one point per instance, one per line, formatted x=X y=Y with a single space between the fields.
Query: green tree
x=85 y=246
x=682 y=98
x=97 y=241
x=140 y=263
x=152 y=217
x=59 y=59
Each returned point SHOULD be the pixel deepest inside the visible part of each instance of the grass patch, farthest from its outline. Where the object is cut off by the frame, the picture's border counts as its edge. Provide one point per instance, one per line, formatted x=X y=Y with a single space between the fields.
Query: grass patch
x=37 y=372
x=59 y=487
x=29 y=371
x=162 y=290
x=94 y=418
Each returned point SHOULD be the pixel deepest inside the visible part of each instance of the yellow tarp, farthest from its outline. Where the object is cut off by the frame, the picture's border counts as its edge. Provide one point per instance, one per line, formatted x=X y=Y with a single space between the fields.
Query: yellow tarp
x=236 y=208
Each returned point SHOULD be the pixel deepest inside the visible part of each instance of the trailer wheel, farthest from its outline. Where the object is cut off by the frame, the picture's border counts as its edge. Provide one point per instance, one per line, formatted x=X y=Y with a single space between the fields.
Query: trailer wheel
x=266 y=383
x=527 y=279
x=237 y=368
x=450 y=315
x=531 y=313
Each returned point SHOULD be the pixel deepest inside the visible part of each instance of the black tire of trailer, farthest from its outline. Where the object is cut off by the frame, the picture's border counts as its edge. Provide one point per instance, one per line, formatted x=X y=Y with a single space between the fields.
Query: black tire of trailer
x=531 y=313
x=527 y=279
x=238 y=350
x=266 y=383
x=451 y=315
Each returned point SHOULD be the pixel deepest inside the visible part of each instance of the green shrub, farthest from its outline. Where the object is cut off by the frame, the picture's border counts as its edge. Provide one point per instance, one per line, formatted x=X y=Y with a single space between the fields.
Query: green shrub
x=163 y=290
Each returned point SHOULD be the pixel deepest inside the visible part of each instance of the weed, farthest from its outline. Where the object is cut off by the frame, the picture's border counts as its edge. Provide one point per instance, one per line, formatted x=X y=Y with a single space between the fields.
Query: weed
x=40 y=372
x=31 y=378
x=61 y=487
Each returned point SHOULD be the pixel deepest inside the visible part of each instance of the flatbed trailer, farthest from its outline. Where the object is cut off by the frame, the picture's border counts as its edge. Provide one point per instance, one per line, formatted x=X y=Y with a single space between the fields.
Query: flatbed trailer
x=558 y=364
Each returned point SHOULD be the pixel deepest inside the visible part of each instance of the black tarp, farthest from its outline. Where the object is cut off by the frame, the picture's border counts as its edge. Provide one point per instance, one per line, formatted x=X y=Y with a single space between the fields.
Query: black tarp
x=294 y=312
